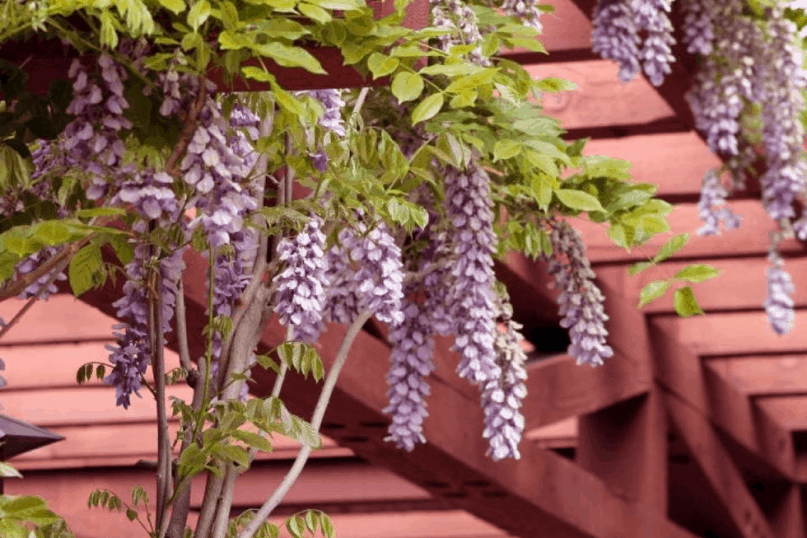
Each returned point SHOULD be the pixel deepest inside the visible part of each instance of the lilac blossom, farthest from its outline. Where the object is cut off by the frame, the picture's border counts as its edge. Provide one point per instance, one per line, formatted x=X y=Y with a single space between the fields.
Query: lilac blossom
x=410 y=363
x=615 y=36
x=779 y=304
x=711 y=206
x=502 y=396
x=301 y=285
x=580 y=299
x=474 y=243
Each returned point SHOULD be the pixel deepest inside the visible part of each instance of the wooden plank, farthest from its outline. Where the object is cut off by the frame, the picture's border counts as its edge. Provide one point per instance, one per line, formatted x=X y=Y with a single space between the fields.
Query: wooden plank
x=676 y=162
x=716 y=464
x=558 y=388
x=787 y=516
x=55 y=365
x=99 y=445
x=42 y=327
x=751 y=239
x=789 y=411
x=540 y=494
x=679 y=370
x=626 y=445
x=762 y=375
x=561 y=434
x=736 y=333
x=600 y=99
x=747 y=274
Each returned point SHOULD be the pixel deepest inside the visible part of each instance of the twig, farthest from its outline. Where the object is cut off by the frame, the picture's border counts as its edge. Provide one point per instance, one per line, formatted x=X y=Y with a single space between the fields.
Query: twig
x=182 y=329
x=316 y=421
x=66 y=253
x=164 y=482
x=209 y=504
x=354 y=116
x=188 y=132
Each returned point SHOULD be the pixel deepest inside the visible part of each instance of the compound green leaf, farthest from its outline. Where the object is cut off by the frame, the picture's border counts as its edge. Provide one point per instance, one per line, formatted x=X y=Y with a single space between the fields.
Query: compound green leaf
x=407 y=86
x=381 y=65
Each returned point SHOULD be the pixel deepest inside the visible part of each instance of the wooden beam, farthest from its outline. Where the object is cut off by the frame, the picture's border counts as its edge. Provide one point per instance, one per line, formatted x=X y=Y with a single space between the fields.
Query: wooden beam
x=558 y=388
x=626 y=445
x=739 y=333
x=679 y=370
x=600 y=99
x=540 y=494
x=763 y=375
x=789 y=411
x=787 y=516
x=716 y=464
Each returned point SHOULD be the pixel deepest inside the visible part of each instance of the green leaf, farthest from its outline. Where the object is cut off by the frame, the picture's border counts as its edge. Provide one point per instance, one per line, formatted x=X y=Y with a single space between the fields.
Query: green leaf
x=257 y=73
x=198 y=14
x=86 y=269
x=685 y=303
x=327 y=525
x=697 y=273
x=506 y=149
x=428 y=108
x=287 y=56
x=177 y=6
x=637 y=268
x=381 y=65
x=617 y=234
x=580 y=200
x=672 y=246
x=602 y=166
x=252 y=439
x=123 y=249
x=131 y=514
x=407 y=86
x=8 y=471
x=342 y=5
x=554 y=85
x=451 y=70
x=100 y=212
x=314 y=12
x=653 y=291
x=109 y=38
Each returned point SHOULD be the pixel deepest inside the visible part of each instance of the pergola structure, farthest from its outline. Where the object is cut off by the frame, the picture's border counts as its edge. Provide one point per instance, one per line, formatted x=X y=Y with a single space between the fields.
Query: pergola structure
x=696 y=427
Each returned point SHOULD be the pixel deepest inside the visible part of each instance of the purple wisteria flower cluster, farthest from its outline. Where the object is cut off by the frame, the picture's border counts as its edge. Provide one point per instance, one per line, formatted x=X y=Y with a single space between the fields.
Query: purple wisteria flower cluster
x=615 y=36
x=457 y=17
x=525 y=10
x=779 y=304
x=365 y=272
x=92 y=140
x=711 y=206
x=131 y=354
x=37 y=288
x=468 y=204
x=300 y=287
x=410 y=363
x=331 y=120
x=502 y=397
x=580 y=300
x=653 y=16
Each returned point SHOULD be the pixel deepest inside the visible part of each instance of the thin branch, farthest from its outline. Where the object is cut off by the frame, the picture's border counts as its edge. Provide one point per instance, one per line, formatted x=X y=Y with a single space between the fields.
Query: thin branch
x=164 y=482
x=316 y=421
x=182 y=329
x=209 y=504
x=19 y=286
x=354 y=116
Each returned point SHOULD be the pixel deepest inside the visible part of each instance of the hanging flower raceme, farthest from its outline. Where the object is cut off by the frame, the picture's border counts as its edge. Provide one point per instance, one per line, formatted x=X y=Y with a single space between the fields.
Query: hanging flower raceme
x=779 y=304
x=710 y=206
x=615 y=36
x=502 y=397
x=656 y=52
x=457 y=17
x=580 y=299
x=410 y=363
x=364 y=272
x=300 y=294
x=43 y=287
x=525 y=10
x=474 y=243
x=333 y=103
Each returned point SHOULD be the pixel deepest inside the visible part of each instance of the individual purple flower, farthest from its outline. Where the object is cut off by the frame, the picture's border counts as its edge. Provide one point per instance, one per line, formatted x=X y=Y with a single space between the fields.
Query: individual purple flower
x=468 y=206
x=342 y=303
x=29 y=264
x=711 y=206
x=779 y=304
x=615 y=36
x=410 y=363
x=698 y=28
x=580 y=299
x=300 y=287
x=502 y=397
x=320 y=161
x=525 y=10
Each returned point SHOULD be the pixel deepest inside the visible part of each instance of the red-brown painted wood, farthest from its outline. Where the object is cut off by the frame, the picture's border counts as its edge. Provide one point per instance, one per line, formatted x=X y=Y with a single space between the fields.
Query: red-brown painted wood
x=716 y=464
x=787 y=516
x=679 y=370
x=763 y=375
